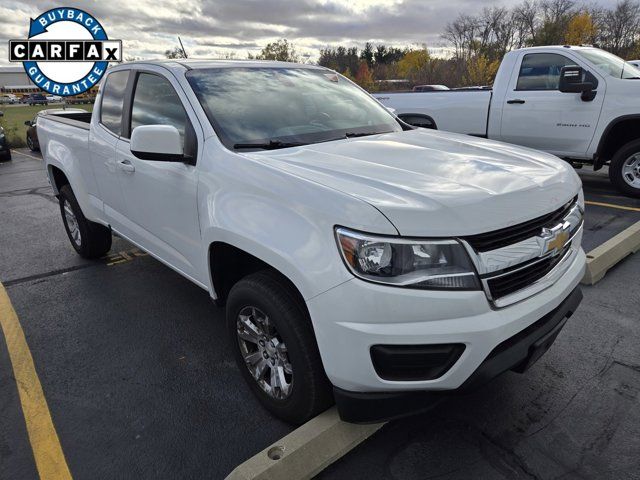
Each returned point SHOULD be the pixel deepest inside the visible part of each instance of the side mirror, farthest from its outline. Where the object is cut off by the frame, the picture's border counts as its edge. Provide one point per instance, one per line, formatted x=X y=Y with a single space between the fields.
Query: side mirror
x=391 y=110
x=571 y=80
x=161 y=143
x=28 y=123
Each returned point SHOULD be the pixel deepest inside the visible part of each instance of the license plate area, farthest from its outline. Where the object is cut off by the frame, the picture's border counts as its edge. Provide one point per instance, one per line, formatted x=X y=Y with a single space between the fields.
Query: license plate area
x=539 y=347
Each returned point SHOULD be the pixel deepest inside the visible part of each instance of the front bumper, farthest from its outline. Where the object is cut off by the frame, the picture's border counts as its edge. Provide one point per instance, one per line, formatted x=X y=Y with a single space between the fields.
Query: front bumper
x=356 y=315
x=517 y=353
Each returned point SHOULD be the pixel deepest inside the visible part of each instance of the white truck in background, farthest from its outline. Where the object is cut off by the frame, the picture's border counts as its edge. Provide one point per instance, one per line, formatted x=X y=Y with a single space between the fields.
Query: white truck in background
x=579 y=103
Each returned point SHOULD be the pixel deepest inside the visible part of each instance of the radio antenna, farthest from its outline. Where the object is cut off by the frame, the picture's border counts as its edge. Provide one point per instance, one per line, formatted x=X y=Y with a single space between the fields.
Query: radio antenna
x=184 y=52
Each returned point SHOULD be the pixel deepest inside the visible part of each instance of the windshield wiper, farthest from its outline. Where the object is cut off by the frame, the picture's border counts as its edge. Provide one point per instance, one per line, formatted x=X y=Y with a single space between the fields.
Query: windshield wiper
x=271 y=145
x=362 y=134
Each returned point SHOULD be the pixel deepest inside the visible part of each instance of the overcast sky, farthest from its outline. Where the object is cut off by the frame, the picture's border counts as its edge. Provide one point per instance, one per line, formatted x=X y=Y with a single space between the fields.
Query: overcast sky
x=211 y=28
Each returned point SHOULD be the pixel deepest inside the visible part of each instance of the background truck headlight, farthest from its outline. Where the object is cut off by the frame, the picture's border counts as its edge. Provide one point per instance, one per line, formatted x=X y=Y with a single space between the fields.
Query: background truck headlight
x=405 y=262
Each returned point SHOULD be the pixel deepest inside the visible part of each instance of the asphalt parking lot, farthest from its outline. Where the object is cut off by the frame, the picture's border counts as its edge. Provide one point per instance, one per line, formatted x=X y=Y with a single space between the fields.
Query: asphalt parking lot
x=137 y=372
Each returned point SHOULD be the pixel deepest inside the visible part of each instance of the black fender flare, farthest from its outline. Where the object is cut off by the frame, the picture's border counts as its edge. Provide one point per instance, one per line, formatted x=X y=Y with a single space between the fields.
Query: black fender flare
x=599 y=161
x=420 y=115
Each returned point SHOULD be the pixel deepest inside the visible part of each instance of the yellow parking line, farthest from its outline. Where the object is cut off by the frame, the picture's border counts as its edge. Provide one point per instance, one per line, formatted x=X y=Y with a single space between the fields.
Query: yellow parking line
x=45 y=444
x=611 y=205
x=117 y=262
x=26 y=155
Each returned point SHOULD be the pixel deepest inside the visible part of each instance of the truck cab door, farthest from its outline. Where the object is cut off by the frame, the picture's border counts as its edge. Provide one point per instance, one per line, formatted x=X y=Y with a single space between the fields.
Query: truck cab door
x=536 y=114
x=104 y=133
x=161 y=196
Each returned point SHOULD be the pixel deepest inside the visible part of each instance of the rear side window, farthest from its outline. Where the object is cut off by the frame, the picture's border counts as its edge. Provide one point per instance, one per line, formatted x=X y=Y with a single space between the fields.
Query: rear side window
x=541 y=71
x=113 y=100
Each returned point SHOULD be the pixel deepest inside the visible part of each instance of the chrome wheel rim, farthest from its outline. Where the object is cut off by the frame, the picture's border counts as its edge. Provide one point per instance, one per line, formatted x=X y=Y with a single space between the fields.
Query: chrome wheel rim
x=631 y=170
x=265 y=354
x=72 y=223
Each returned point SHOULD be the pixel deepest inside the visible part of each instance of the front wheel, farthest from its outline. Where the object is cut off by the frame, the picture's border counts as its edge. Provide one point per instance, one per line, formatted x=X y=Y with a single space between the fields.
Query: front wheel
x=275 y=347
x=31 y=145
x=89 y=239
x=624 y=169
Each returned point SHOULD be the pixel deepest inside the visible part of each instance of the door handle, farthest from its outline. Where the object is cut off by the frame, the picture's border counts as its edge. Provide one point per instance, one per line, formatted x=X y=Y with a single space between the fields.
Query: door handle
x=516 y=101
x=126 y=166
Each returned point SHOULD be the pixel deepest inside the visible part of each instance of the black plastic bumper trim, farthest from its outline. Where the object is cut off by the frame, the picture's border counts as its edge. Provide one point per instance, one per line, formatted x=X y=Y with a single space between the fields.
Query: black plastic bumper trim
x=517 y=353
x=411 y=363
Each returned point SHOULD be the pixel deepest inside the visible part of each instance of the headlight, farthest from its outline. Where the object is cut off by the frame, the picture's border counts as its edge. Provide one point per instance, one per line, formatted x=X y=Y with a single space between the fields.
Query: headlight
x=426 y=264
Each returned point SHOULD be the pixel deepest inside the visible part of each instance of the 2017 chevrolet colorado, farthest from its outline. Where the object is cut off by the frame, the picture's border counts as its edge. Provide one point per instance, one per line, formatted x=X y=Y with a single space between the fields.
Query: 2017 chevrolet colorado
x=360 y=259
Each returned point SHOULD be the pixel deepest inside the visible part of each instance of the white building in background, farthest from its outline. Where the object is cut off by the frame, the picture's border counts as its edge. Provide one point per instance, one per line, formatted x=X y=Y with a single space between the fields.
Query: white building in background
x=15 y=80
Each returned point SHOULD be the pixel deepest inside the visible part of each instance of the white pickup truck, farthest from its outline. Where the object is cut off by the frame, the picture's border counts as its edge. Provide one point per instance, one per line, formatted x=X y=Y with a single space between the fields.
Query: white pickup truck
x=579 y=103
x=360 y=259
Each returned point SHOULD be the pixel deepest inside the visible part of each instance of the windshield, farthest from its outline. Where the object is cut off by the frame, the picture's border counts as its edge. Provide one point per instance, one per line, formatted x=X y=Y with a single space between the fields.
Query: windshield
x=609 y=64
x=281 y=107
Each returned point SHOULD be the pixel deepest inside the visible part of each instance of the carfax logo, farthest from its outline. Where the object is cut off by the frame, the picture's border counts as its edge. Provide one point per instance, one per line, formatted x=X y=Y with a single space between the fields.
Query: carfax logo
x=67 y=52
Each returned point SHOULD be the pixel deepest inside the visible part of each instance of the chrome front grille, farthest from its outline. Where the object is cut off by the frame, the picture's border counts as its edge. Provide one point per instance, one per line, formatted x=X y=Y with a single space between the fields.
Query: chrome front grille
x=513 y=271
x=515 y=279
x=497 y=239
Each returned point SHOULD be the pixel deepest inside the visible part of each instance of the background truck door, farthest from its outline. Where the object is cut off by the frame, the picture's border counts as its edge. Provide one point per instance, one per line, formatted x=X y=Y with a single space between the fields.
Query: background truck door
x=536 y=114
x=161 y=196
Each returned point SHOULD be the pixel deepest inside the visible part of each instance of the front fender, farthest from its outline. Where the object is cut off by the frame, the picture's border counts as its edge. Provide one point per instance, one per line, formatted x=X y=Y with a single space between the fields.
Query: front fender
x=285 y=221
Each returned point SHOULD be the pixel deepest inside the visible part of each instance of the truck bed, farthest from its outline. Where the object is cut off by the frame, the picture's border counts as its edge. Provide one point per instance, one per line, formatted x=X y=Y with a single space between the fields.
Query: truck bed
x=65 y=138
x=461 y=111
x=79 y=120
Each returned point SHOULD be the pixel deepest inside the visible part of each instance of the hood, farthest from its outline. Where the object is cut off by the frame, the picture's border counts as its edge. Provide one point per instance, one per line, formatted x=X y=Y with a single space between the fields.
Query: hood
x=430 y=183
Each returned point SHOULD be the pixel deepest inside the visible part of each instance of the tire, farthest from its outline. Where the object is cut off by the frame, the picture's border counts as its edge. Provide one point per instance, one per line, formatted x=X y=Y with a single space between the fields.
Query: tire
x=6 y=157
x=619 y=169
x=89 y=239
x=309 y=390
x=30 y=144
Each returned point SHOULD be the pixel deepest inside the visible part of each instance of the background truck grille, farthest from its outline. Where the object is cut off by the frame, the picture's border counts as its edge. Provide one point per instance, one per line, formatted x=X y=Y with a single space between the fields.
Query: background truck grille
x=485 y=242
x=509 y=283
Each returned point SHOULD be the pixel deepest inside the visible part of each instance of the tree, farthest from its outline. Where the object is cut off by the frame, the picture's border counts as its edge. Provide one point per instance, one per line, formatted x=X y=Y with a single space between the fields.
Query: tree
x=527 y=21
x=367 y=54
x=581 y=30
x=415 y=66
x=364 y=77
x=384 y=55
x=620 y=28
x=556 y=15
x=481 y=71
x=281 y=50
x=175 y=53
x=340 y=59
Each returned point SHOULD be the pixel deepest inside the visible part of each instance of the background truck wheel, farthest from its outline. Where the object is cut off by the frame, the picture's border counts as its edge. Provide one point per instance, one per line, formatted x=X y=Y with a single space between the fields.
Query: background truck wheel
x=275 y=347
x=5 y=157
x=90 y=240
x=624 y=169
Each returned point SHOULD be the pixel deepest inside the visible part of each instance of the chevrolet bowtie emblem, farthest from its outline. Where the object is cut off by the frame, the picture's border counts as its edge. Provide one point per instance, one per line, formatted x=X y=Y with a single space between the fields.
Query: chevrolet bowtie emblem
x=555 y=239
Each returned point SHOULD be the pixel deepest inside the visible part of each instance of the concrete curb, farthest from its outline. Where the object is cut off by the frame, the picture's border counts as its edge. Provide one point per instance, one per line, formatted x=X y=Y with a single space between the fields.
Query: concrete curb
x=306 y=451
x=605 y=256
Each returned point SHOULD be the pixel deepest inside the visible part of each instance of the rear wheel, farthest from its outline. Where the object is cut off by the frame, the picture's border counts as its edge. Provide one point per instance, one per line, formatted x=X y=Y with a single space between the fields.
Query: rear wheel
x=624 y=169
x=89 y=239
x=275 y=347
